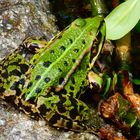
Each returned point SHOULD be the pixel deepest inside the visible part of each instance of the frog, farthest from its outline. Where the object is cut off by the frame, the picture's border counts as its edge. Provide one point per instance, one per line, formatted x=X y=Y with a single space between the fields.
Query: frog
x=50 y=84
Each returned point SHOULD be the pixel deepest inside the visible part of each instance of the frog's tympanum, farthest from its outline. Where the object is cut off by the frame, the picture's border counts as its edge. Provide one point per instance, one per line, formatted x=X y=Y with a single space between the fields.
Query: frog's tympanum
x=50 y=83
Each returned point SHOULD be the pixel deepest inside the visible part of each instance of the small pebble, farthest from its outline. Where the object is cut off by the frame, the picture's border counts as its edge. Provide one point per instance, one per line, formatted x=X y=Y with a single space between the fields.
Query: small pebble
x=2 y=122
x=9 y=26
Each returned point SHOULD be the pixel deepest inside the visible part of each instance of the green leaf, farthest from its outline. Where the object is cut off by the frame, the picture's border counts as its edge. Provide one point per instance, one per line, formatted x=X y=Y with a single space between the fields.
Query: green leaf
x=114 y=81
x=122 y=19
x=136 y=81
x=107 y=86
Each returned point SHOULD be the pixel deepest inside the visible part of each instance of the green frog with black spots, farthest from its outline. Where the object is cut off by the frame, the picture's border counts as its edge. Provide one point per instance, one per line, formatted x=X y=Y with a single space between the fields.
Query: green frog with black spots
x=50 y=84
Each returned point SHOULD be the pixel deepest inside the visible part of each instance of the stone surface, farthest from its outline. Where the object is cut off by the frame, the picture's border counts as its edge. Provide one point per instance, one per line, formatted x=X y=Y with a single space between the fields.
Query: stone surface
x=20 y=19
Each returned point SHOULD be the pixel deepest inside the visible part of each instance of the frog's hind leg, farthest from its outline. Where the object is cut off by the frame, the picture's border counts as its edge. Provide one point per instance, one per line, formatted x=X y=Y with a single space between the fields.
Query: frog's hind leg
x=63 y=122
x=12 y=72
x=64 y=111
x=12 y=67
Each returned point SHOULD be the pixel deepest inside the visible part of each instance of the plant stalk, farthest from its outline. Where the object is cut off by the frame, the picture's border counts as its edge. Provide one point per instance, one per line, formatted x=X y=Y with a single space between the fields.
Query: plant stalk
x=98 y=7
x=123 y=48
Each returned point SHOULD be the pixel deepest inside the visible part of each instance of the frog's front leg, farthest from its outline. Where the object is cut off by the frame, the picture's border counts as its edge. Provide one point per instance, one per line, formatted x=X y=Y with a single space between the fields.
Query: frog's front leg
x=63 y=111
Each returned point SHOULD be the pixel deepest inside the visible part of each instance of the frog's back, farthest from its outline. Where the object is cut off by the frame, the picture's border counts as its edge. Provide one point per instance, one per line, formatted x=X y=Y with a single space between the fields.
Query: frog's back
x=61 y=56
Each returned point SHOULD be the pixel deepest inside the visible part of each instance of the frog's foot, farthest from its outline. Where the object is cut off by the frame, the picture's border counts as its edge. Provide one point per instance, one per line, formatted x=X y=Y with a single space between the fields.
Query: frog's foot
x=64 y=112
x=62 y=122
x=33 y=45
x=27 y=107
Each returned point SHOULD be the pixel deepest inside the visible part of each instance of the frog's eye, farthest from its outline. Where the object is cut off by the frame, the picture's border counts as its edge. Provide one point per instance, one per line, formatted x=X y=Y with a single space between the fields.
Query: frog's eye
x=80 y=22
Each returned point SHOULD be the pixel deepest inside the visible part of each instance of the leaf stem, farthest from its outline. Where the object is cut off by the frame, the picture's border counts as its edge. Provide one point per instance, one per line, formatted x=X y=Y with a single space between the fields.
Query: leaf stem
x=98 y=7
x=123 y=48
